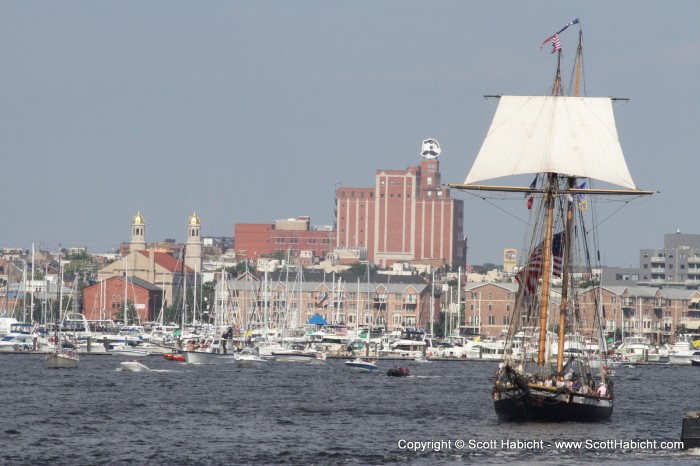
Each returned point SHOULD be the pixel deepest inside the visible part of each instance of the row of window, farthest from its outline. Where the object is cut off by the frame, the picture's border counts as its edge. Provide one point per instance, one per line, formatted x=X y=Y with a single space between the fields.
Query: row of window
x=291 y=240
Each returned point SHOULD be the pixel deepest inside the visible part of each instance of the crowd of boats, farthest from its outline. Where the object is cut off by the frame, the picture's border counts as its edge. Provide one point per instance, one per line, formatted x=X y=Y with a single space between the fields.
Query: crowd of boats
x=207 y=344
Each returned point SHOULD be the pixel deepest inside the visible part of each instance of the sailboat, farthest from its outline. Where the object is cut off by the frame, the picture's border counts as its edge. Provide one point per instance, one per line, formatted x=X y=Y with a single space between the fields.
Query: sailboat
x=569 y=143
x=63 y=355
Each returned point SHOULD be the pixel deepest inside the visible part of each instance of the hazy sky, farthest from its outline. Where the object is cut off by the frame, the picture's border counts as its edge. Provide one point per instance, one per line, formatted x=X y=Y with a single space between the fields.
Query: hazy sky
x=251 y=111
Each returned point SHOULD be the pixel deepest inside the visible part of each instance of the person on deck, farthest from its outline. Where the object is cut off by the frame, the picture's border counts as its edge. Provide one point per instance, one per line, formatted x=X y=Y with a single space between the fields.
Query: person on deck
x=602 y=390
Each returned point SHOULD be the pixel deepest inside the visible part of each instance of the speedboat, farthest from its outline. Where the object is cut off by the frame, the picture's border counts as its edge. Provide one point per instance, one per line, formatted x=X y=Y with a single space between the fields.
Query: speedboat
x=294 y=355
x=250 y=360
x=133 y=366
x=362 y=365
x=174 y=357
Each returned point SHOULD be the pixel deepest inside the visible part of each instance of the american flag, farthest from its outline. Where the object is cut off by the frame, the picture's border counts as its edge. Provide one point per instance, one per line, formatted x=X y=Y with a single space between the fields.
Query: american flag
x=555 y=38
x=529 y=276
x=322 y=300
x=556 y=45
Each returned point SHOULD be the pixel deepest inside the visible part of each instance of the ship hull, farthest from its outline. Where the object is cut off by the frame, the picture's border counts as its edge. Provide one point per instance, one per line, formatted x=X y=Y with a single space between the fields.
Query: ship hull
x=550 y=405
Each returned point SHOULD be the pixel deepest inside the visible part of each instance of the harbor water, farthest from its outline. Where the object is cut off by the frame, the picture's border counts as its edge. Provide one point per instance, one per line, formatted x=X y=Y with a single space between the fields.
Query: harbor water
x=297 y=413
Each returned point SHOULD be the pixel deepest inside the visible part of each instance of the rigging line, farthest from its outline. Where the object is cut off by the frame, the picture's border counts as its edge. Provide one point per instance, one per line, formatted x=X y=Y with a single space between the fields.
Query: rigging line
x=595 y=226
x=500 y=208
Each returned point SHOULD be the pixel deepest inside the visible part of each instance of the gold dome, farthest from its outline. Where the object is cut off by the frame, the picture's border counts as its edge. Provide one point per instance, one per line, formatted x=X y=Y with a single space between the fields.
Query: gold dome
x=138 y=219
x=194 y=220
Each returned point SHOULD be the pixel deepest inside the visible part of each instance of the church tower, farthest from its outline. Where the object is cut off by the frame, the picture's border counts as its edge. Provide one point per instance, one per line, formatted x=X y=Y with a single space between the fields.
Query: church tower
x=193 y=247
x=138 y=233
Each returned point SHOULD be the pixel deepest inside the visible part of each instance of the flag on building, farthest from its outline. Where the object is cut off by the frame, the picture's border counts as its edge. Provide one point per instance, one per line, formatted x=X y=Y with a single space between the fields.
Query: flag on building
x=322 y=300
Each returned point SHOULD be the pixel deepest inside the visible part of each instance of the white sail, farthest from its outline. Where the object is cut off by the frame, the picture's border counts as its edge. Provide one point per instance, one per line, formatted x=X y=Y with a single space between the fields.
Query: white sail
x=552 y=134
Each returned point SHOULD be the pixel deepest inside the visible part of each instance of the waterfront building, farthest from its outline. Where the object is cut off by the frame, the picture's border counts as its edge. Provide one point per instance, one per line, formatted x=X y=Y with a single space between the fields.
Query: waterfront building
x=658 y=314
x=488 y=307
x=289 y=299
x=105 y=300
x=162 y=269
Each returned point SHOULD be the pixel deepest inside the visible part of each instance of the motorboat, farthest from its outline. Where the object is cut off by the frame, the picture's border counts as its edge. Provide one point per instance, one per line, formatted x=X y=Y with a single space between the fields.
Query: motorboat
x=295 y=355
x=249 y=359
x=209 y=352
x=174 y=357
x=362 y=365
x=133 y=366
x=681 y=352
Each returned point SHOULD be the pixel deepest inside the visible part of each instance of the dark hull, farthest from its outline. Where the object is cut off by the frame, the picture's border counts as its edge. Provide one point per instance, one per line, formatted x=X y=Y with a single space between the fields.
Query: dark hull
x=690 y=434
x=550 y=405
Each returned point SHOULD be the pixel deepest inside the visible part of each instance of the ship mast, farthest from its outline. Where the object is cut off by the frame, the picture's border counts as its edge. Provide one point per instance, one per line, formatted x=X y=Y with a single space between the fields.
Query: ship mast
x=563 y=306
x=550 y=200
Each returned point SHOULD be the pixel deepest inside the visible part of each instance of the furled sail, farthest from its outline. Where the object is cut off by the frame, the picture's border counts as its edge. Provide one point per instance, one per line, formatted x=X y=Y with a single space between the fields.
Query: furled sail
x=574 y=136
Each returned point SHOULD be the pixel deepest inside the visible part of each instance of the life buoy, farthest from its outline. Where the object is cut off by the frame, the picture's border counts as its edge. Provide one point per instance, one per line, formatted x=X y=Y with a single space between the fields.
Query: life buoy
x=430 y=354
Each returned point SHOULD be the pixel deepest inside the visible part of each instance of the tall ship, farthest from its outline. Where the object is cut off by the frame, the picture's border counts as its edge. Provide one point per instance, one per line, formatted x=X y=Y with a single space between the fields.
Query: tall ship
x=570 y=144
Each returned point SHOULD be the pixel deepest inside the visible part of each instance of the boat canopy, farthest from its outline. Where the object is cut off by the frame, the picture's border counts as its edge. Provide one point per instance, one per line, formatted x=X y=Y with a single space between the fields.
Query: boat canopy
x=317 y=319
x=574 y=136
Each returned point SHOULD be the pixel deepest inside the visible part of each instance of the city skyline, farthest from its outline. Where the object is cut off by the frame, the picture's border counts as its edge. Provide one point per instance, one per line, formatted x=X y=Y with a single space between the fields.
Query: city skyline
x=251 y=112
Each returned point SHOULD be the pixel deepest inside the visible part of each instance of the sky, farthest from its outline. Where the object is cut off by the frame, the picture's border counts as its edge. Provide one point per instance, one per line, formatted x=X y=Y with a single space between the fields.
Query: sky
x=251 y=111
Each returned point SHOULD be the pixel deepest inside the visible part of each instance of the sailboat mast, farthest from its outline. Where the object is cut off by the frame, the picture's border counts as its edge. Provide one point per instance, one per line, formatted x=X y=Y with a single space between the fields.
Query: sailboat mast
x=565 y=281
x=546 y=266
x=550 y=193
x=579 y=53
x=126 y=301
x=557 y=88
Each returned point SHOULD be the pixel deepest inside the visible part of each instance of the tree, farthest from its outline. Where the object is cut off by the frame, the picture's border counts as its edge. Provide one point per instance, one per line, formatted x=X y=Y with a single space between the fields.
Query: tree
x=360 y=268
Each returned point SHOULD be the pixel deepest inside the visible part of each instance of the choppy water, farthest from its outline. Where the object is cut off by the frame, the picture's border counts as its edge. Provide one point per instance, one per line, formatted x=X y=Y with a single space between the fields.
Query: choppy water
x=312 y=414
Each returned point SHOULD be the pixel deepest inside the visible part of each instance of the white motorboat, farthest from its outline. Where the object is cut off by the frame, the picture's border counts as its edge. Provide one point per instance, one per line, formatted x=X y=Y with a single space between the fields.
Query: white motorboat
x=211 y=351
x=682 y=351
x=201 y=357
x=293 y=355
x=251 y=360
x=362 y=365
x=133 y=366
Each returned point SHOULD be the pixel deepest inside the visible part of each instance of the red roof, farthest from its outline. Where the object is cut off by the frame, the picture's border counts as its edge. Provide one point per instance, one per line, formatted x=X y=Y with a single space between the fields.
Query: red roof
x=168 y=262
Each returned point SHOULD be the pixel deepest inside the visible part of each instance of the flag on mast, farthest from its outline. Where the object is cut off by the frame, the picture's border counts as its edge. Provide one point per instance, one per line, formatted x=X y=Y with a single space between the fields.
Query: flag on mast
x=554 y=39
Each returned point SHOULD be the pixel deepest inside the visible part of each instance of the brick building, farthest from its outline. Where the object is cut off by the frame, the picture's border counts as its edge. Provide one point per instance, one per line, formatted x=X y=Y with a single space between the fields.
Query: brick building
x=407 y=216
x=391 y=302
x=105 y=300
x=292 y=236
